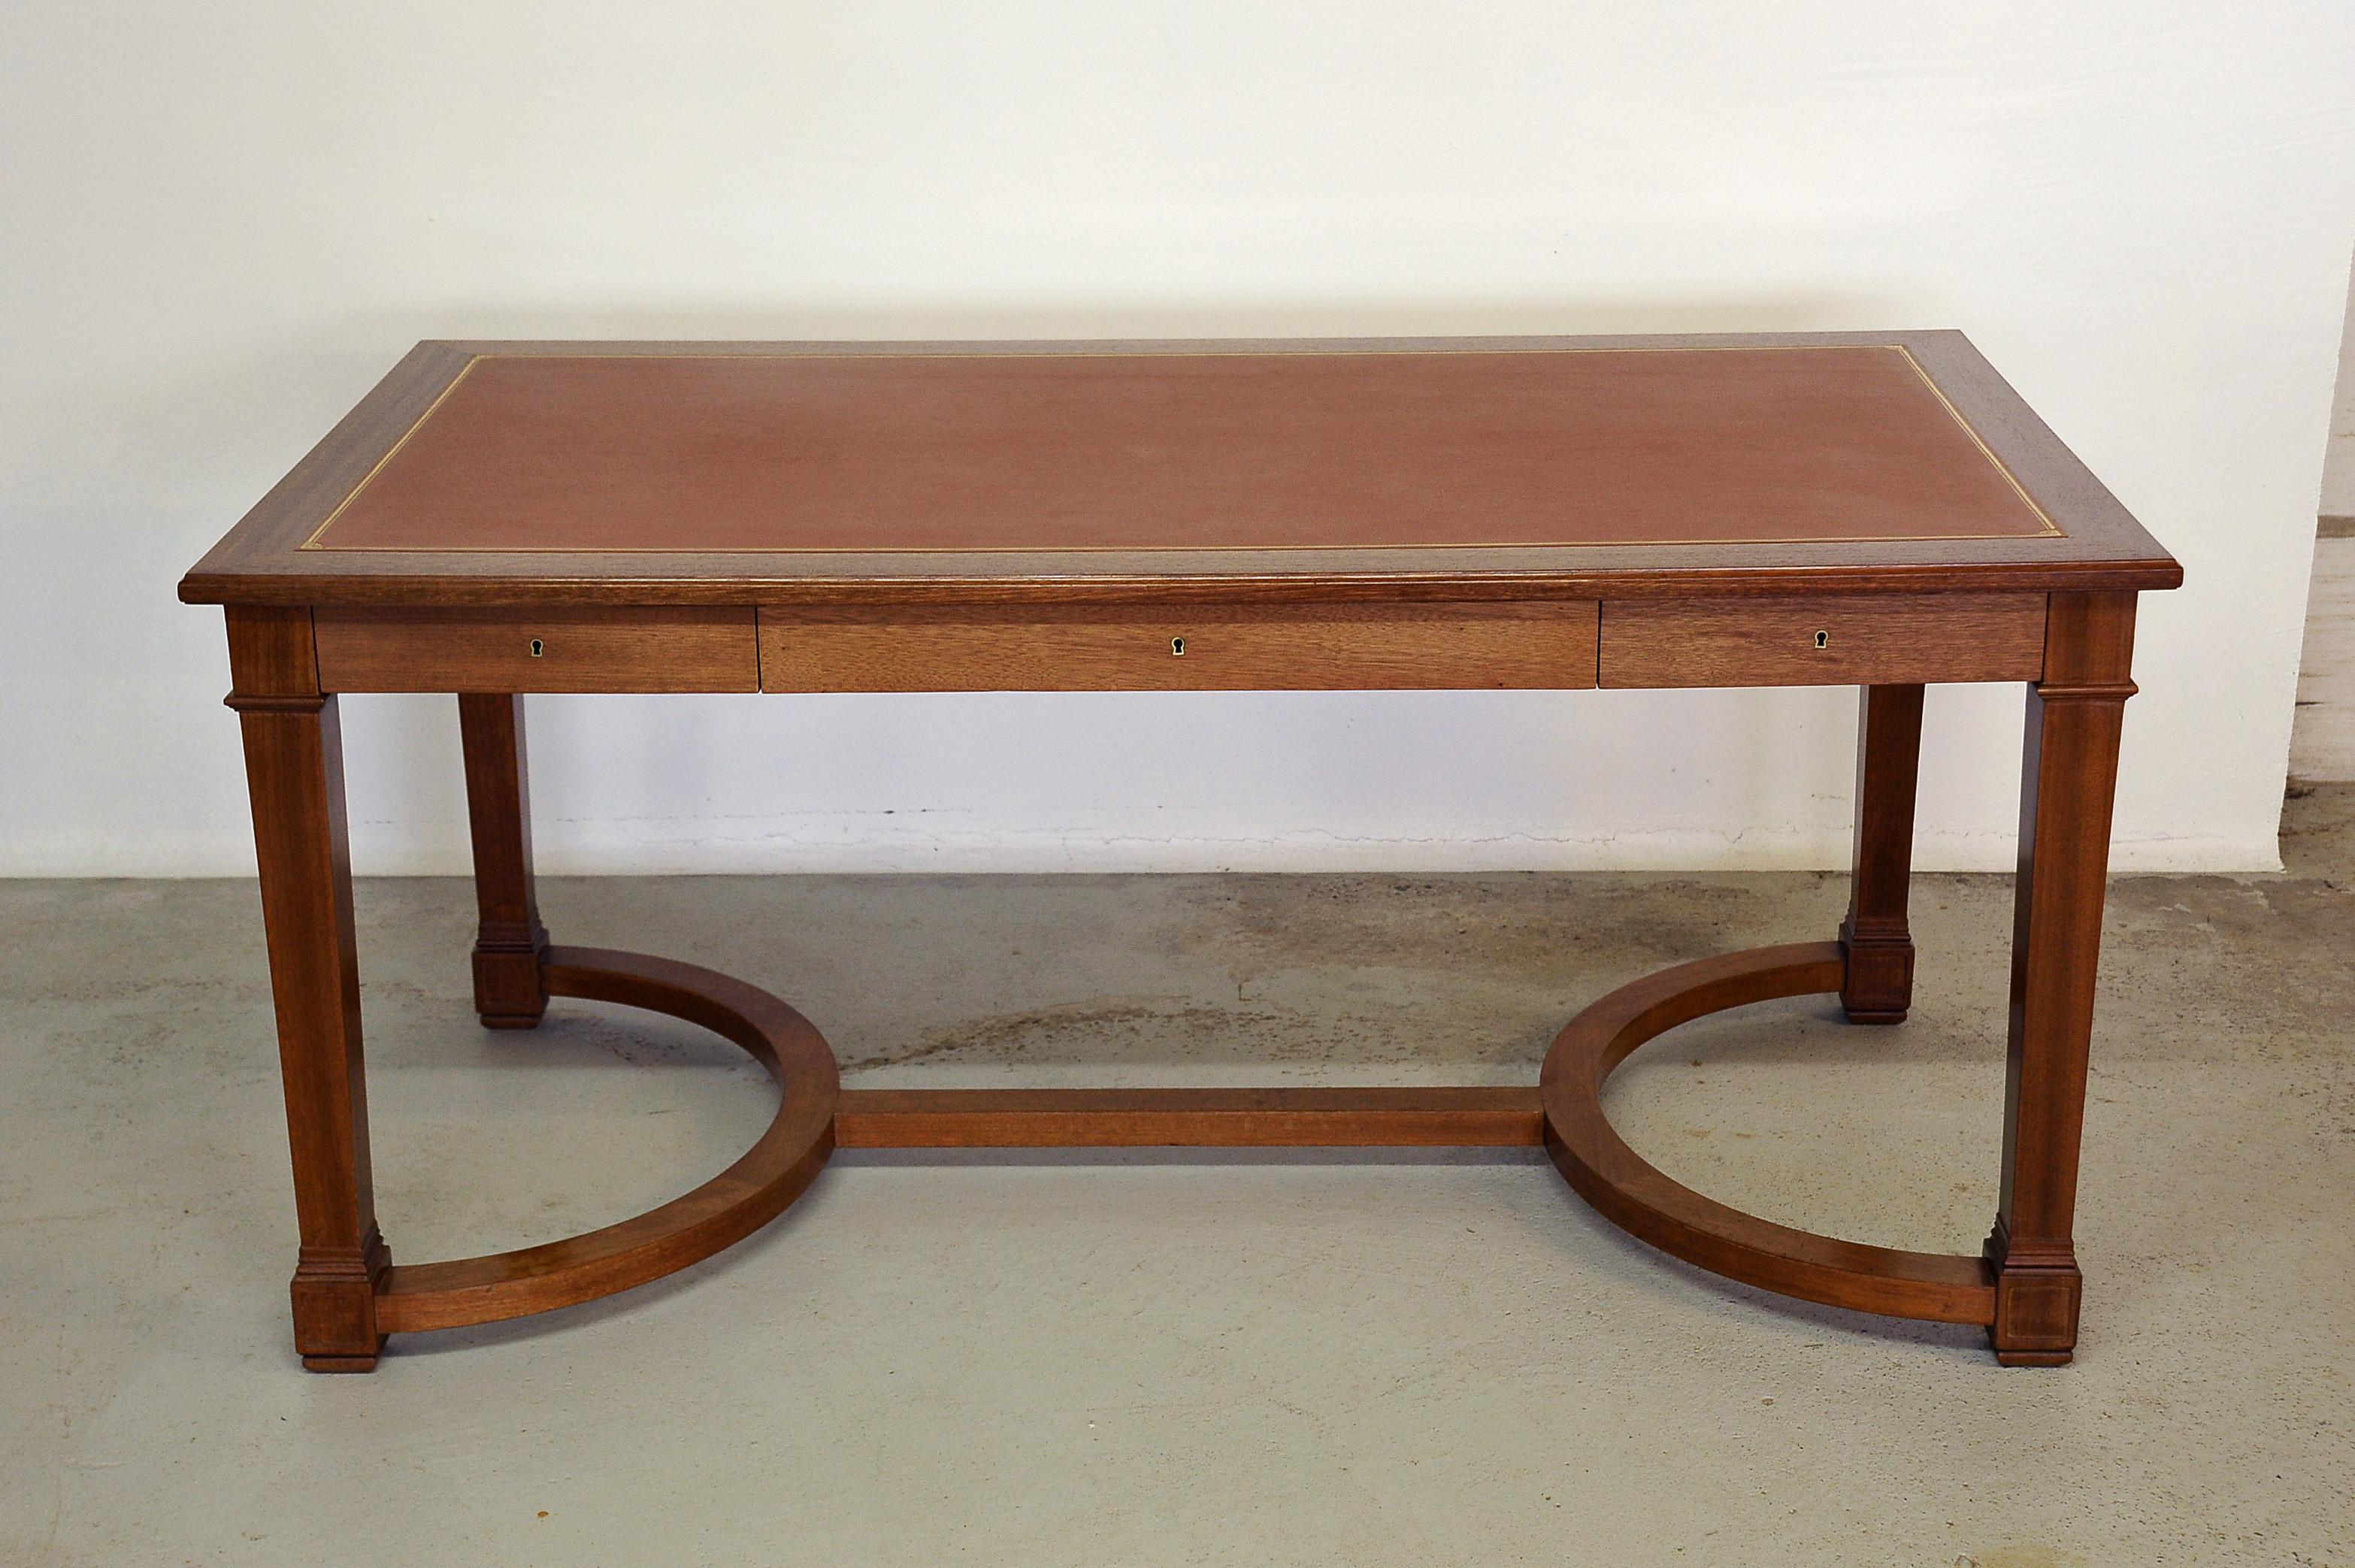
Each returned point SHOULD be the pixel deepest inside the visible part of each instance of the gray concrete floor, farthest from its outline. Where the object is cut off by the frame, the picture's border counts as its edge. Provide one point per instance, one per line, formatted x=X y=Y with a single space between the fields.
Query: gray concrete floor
x=1146 y=1358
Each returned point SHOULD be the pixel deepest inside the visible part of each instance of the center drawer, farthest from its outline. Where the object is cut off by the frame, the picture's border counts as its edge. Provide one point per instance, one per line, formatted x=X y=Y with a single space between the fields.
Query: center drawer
x=1223 y=648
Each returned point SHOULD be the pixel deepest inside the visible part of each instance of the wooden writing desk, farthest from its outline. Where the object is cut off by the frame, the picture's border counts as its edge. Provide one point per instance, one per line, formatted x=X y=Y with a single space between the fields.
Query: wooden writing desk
x=1848 y=510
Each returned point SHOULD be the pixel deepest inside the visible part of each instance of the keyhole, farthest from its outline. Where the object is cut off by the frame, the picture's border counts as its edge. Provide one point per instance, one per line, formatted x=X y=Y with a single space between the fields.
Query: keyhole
x=539 y=648
x=1176 y=648
x=1823 y=639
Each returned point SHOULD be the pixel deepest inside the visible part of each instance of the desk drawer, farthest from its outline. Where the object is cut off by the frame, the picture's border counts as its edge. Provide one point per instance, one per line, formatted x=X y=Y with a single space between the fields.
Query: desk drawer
x=1857 y=640
x=1458 y=648
x=529 y=650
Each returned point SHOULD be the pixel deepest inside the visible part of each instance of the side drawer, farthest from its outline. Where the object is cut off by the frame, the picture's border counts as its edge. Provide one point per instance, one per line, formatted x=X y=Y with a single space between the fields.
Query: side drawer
x=1831 y=640
x=1428 y=648
x=650 y=649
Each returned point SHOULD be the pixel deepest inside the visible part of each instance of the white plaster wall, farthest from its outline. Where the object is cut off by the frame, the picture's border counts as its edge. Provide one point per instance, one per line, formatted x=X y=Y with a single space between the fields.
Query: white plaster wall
x=219 y=224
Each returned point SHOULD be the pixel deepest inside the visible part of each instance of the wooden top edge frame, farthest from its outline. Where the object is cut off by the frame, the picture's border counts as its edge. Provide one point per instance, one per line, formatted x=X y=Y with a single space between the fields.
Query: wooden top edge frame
x=2100 y=546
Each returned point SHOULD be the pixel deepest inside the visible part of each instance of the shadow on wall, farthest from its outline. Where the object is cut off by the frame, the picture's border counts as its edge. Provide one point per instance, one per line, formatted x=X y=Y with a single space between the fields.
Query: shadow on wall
x=2323 y=735
x=2322 y=738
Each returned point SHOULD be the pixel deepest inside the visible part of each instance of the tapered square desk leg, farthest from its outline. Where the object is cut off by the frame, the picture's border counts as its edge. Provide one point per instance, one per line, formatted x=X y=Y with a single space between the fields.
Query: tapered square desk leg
x=293 y=764
x=1878 y=987
x=2069 y=780
x=510 y=944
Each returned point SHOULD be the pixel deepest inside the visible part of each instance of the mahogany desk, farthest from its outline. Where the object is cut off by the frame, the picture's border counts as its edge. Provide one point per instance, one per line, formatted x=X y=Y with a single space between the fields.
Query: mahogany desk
x=1877 y=510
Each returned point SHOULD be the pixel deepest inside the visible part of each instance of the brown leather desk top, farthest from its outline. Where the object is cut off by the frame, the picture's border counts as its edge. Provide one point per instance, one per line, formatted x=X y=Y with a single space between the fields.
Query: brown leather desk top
x=1096 y=452
x=676 y=473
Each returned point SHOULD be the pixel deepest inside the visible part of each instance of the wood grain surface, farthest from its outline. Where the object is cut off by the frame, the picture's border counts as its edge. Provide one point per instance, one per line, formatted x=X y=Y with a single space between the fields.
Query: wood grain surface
x=1212 y=1118
x=653 y=648
x=294 y=773
x=510 y=943
x=1647 y=1202
x=689 y=1228
x=2069 y=767
x=1878 y=987
x=1219 y=648
x=1823 y=640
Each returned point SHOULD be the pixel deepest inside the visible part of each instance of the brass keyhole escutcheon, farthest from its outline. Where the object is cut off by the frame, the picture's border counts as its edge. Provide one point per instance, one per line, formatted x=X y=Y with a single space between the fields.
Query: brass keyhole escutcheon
x=539 y=648
x=1176 y=648
x=1823 y=640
